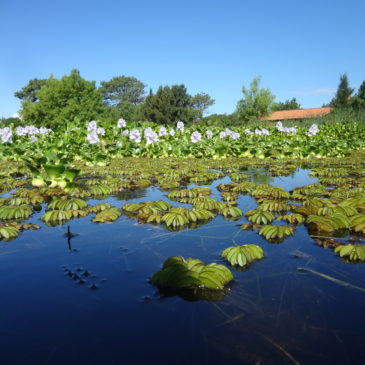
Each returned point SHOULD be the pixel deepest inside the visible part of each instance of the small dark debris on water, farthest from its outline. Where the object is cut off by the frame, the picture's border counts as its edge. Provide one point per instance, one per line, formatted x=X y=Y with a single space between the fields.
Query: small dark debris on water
x=103 y=280
x=81 y=281
x=146 y=298
x=124 y=248
x=86 y=273
x=93 y=287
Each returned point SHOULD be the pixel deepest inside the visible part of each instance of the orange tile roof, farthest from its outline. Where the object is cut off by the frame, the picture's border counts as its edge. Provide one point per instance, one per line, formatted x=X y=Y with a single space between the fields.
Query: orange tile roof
x=298 y=113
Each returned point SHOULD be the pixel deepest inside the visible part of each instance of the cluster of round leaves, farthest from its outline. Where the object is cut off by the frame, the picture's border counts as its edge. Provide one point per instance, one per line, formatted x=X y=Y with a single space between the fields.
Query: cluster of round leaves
x=243 y=255
x=178 y=272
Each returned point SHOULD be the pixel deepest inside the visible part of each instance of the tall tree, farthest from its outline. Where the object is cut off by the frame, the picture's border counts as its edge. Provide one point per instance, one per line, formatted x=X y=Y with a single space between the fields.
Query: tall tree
x=168 y=105
x=62 y=100
x=286 y=105
x=201 y=102
x=343 y=94
x=30 y=91
x=358 y=101
x=256 y=102
x=123 y=89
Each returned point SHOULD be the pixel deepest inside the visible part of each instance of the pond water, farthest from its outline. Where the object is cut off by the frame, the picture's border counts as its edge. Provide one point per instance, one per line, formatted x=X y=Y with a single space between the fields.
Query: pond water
x=87 y=300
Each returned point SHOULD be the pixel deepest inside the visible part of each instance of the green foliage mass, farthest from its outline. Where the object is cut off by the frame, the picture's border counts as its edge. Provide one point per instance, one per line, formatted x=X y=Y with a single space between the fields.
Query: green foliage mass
x=286 y=105
x=122 y=89
x=63 y=100
x=30 y=91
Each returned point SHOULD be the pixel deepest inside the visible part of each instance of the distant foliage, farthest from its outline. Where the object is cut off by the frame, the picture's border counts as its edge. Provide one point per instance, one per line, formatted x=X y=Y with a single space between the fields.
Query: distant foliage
x=286 y=105
x=256 y=102
x=62 y=100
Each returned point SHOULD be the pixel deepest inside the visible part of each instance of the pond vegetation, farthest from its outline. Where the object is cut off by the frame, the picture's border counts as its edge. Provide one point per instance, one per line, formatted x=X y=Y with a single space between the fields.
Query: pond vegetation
x=258 y=255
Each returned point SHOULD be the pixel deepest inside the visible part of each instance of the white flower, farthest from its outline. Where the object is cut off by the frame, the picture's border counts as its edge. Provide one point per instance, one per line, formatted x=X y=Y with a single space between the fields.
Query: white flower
x=172 y=132
x=121 y=123
x=180 y=126
x=135 y=136
x=162 y=132
x=247 y=131
x=93 y=138
x=125 y=133
x=33 y=139
x=195 y=137
x=209 y=134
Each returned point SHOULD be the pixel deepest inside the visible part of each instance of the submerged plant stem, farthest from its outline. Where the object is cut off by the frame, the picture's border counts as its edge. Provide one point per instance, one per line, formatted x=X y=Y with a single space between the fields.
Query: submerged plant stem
x=330 y=278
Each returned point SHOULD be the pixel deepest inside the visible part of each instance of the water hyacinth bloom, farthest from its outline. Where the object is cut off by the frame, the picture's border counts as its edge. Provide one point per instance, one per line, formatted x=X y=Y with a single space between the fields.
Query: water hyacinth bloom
x=180 y=126
x=222 y=134
x=150 y=135
x=44 y=130
x=172 y=132
x=101 y=131
x=135 y=136
x=262 y=132
x=93 y=138
x=279 y=126
x=33 y=139
x=125 y=133
x=247 y=131
x=313 y=130
x=162 y=132
x=92 y=126
x=195 y=137
x=121 y=123
x=209 y=134
x=20 y=131
x=6 y=135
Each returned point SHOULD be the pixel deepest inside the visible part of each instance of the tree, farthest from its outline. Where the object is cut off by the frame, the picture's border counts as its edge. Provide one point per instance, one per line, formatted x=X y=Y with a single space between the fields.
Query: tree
x=30 y=91
x=343 y=94
x=168 y=105
x=201 y=102
x=122 y=89
x=256 y=102
x=358 y=101
x=62 y=100
x=286 y=105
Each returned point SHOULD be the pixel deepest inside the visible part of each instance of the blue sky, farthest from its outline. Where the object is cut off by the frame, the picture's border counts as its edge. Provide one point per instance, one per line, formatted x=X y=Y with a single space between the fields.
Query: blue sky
x=299 y=48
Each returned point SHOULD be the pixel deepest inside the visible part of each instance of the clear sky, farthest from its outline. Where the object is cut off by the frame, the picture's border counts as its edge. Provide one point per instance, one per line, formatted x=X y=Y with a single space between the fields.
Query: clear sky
x=299 y=48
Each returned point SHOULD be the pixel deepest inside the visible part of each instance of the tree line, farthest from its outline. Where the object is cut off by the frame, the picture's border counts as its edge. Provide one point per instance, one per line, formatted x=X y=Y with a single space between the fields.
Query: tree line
x=52 y=102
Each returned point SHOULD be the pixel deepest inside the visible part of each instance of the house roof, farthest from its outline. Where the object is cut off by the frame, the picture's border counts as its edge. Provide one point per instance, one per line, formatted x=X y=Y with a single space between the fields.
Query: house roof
x=298 y=113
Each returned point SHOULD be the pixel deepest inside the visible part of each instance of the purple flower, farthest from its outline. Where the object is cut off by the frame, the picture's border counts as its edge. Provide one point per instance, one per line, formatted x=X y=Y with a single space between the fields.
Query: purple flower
x=92 y=126
x=180 y=126
x=125 y=133
x=172 y=132
x=121 y=123
x=135 y=136
x=209 y=134
x=196 y=137
x=93 y=138
x=162 y=132
x=6 y=135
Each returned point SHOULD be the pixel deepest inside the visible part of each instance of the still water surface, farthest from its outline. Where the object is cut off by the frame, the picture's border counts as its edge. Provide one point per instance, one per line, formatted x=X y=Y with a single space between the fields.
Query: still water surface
x=273 y=314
